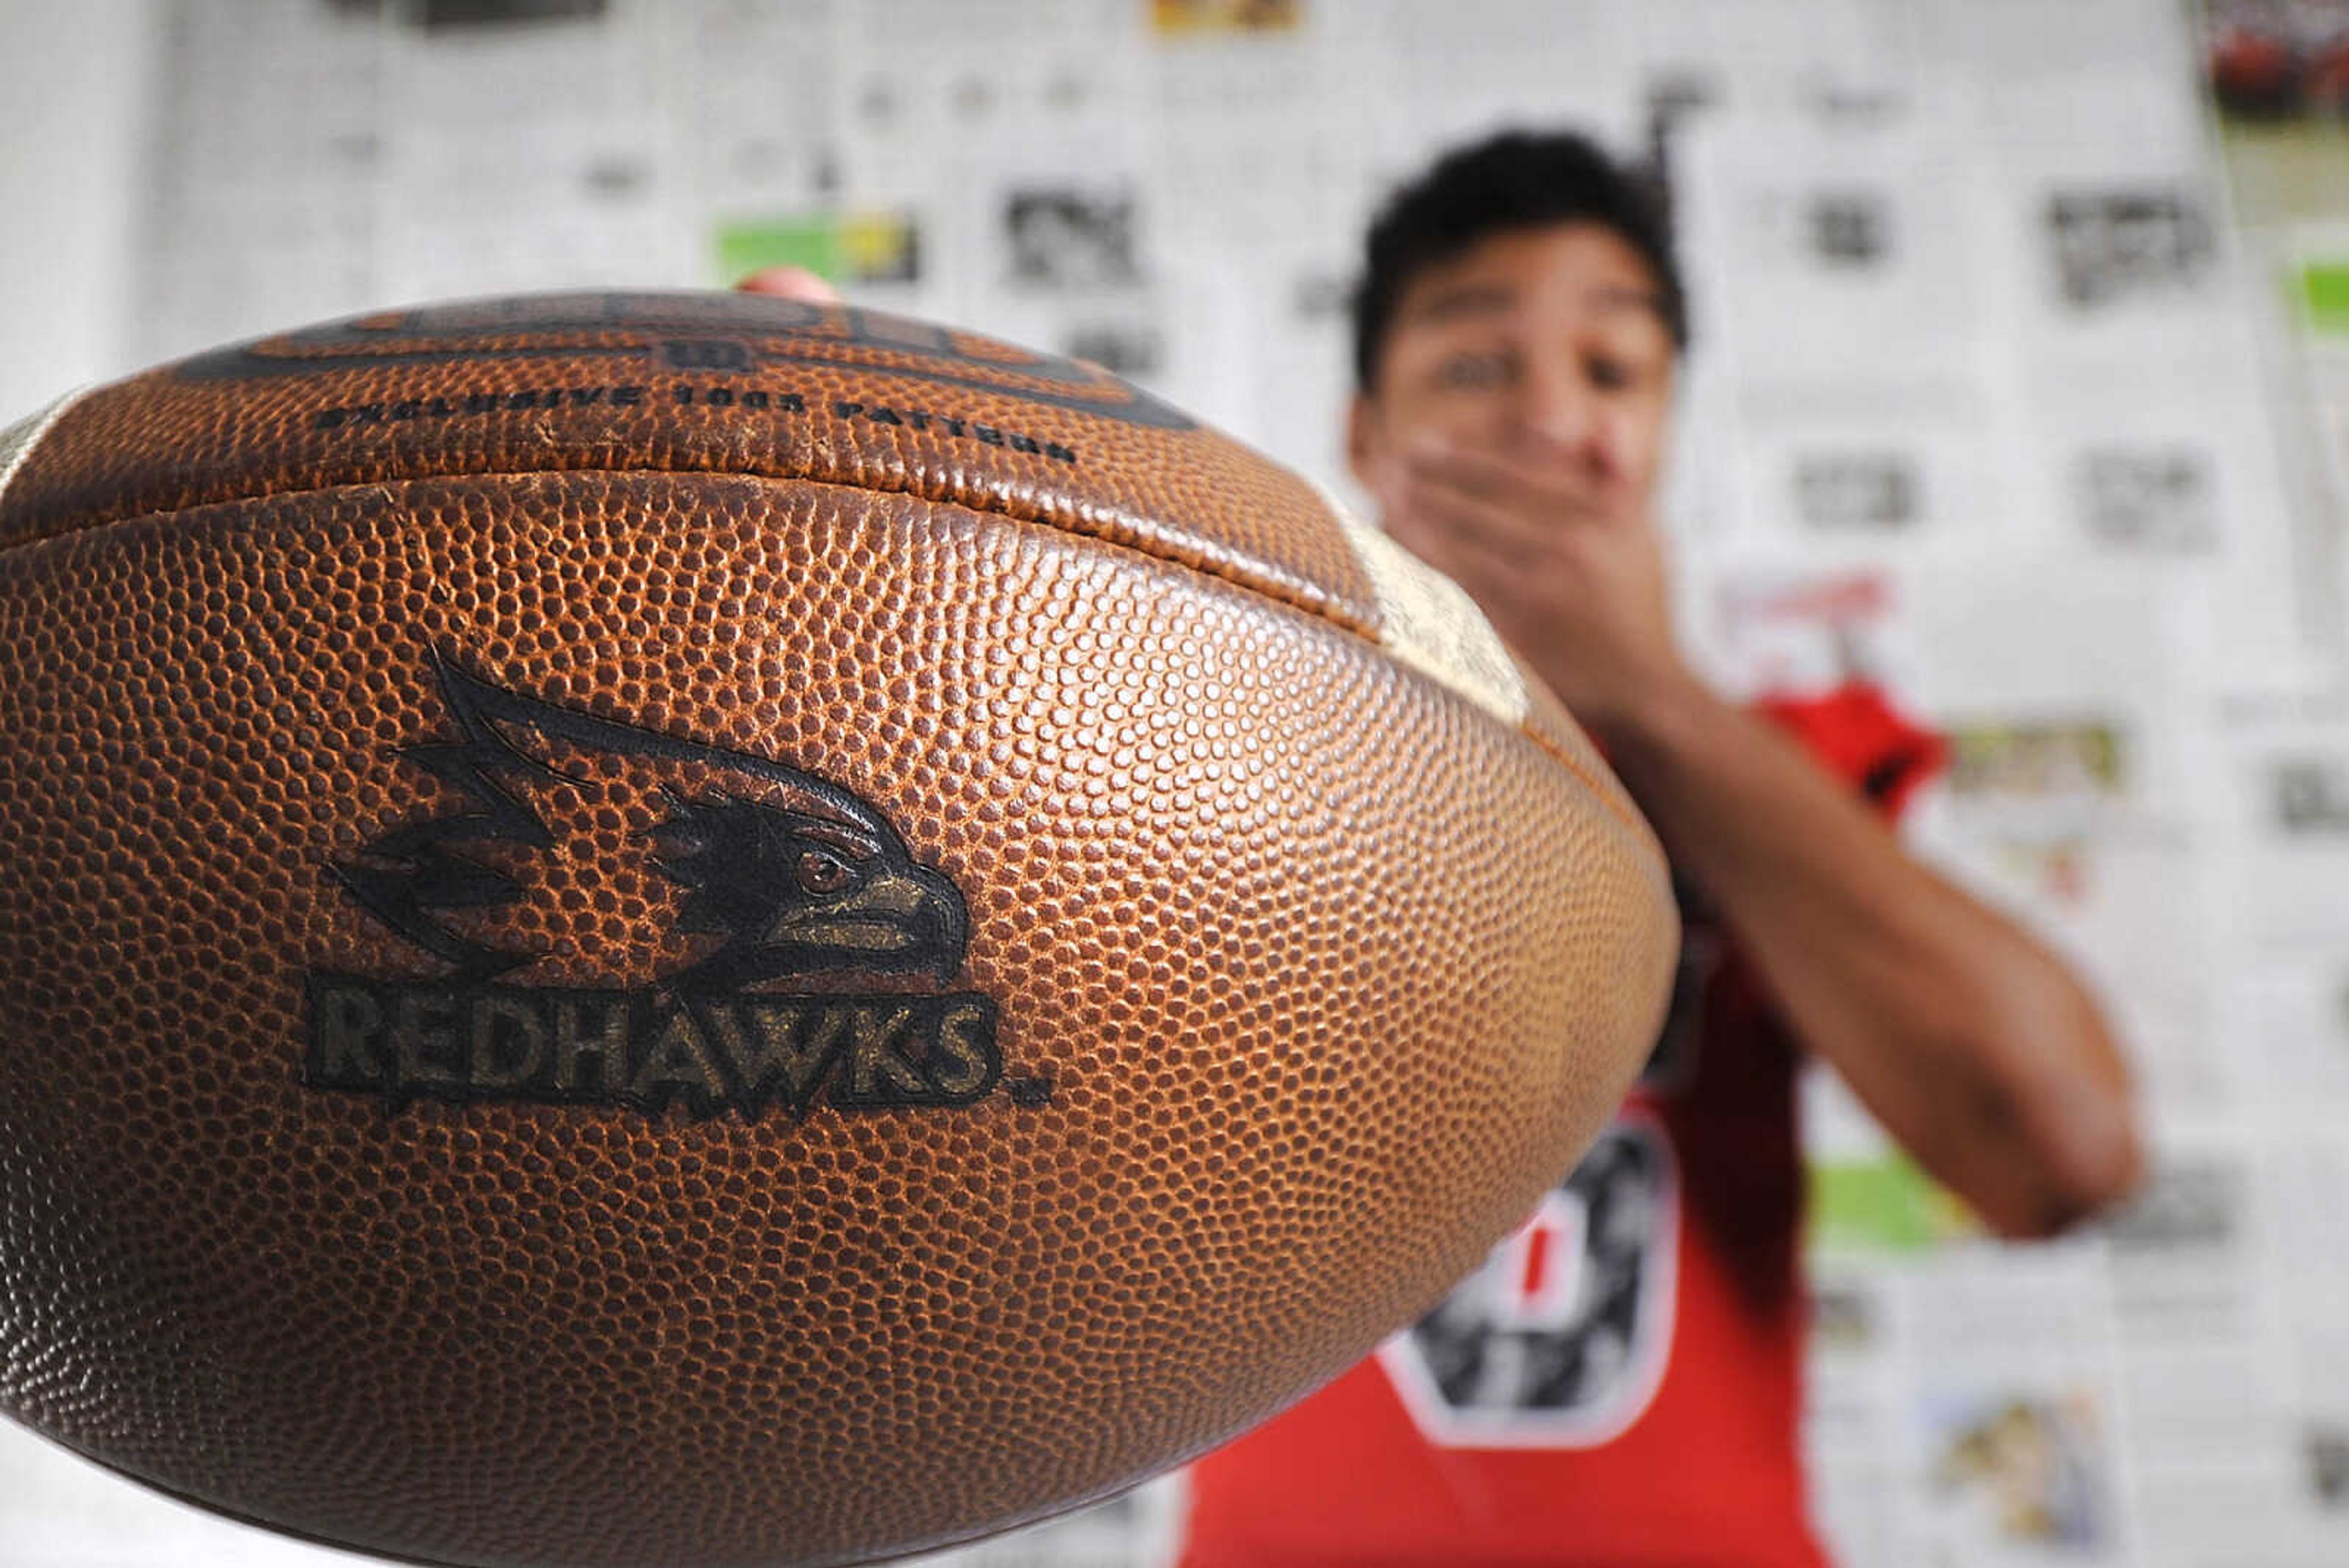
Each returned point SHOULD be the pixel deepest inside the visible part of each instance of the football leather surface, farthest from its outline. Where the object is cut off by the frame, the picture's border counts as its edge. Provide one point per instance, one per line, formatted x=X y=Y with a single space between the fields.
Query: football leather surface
x=692 y=930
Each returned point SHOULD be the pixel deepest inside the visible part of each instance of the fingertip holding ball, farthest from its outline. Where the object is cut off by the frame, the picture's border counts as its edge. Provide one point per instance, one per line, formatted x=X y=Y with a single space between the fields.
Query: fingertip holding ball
x=791 y=283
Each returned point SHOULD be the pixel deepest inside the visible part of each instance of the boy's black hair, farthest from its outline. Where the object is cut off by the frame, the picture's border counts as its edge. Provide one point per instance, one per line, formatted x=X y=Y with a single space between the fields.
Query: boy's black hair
x=1515 y=179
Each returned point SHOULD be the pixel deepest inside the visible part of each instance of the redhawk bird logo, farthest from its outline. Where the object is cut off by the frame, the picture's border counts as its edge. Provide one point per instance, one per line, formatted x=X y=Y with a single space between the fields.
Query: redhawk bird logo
x=782 y=888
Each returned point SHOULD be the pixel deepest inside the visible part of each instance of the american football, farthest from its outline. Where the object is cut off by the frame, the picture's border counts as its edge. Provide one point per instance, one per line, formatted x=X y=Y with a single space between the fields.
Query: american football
x=686 y=929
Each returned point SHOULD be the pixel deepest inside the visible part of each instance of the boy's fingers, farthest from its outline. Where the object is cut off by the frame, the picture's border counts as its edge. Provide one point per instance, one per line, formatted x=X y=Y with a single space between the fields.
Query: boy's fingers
x=1498 y=476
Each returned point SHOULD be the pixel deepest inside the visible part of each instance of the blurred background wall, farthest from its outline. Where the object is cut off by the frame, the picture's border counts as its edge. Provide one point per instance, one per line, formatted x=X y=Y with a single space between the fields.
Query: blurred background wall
x=2020 y=382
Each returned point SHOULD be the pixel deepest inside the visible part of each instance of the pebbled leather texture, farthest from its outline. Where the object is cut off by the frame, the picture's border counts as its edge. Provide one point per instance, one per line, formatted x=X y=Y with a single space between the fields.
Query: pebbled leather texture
x=1287 y=978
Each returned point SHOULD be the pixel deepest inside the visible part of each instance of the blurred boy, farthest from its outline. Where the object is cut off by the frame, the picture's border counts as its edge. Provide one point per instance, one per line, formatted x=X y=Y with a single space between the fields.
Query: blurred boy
x=1619 y=1385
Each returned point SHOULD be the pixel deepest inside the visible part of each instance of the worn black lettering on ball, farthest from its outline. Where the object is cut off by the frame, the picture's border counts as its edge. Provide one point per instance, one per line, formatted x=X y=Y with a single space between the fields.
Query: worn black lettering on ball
x=711 y=334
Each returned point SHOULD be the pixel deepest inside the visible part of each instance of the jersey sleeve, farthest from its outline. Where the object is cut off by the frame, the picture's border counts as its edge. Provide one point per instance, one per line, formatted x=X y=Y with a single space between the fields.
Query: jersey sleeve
x=1856 y=734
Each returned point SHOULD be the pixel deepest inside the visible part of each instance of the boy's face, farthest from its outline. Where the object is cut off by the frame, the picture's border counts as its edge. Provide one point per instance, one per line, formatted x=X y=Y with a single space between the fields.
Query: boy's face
x=1554 y=331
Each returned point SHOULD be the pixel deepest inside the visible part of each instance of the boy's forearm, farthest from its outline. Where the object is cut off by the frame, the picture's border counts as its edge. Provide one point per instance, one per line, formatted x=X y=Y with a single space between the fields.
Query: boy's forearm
x=1971 y=1043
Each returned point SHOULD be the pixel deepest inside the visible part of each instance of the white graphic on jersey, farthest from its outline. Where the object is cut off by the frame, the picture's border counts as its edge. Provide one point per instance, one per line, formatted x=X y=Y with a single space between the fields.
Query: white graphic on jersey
x=1561 y=1338
x=1544 y=1260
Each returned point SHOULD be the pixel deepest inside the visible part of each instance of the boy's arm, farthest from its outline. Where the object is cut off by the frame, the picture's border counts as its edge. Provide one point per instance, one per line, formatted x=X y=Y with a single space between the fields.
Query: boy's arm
x=1973 y=1044
x=1969 y=1041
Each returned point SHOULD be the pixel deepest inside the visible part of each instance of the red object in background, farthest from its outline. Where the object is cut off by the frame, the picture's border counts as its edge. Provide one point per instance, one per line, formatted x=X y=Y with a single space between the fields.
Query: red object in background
x=2254 y=71
x=2324 y=82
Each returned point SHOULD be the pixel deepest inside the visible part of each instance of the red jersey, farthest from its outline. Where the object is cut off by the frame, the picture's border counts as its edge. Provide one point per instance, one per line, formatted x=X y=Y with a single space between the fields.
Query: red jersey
x=1618 y=1384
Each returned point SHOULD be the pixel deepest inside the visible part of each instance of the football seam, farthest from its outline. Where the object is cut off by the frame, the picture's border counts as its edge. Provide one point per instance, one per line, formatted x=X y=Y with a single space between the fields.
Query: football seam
x=1204 y=567
x=1277 y=584
x=1638 y=825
